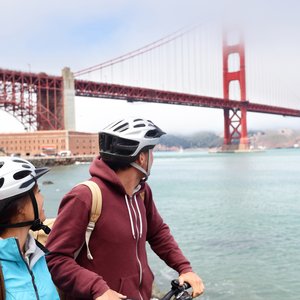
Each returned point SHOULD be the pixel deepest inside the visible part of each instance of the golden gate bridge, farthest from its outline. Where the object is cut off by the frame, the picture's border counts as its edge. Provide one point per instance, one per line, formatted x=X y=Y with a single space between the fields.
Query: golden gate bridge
x=172 y=73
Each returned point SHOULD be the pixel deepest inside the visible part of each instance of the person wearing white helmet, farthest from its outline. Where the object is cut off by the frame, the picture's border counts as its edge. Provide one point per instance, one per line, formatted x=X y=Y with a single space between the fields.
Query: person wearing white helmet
x=22 y=261
x=119 y=268
x=122 y=142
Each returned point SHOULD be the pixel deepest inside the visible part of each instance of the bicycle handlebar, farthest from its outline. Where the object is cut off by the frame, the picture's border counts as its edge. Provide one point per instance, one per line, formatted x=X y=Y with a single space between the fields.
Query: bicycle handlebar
x=178 y=291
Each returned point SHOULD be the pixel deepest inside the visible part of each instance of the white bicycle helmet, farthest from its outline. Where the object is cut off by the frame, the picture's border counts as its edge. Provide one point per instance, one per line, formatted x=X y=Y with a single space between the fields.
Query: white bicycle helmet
x=123 y=140
x=17 y=178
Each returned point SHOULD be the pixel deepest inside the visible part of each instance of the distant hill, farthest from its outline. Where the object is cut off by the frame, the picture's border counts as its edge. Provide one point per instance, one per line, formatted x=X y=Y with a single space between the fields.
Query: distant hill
x=284 y=138
x=198 y=140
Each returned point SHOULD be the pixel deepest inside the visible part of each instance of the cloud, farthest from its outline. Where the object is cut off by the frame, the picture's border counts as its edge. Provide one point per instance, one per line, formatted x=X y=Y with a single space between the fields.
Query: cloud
x=83 y=33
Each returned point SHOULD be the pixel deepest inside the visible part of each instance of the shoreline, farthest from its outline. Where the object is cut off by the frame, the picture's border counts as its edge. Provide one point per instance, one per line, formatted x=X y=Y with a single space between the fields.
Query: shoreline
x=51 y=161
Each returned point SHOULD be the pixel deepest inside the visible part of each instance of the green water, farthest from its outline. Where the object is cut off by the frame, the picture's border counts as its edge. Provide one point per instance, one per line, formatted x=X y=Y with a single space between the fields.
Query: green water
x=236 y=217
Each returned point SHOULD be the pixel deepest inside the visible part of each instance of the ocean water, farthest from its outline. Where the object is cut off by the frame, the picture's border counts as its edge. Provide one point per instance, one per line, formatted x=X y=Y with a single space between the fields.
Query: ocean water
x=235 y=216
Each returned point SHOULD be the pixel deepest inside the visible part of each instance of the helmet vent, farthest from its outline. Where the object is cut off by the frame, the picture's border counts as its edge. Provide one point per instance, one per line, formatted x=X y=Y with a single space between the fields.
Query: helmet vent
x=21 y=174
x=27 y=183
x=1 y=181
x=26 y=166
x=122 y=127
x=152 y=133
x=1 y=164
x=19 y=161
x=139 y=125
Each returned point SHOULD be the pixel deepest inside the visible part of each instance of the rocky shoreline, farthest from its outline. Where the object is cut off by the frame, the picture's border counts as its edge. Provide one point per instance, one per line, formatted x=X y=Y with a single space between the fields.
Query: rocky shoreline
x=51 y=161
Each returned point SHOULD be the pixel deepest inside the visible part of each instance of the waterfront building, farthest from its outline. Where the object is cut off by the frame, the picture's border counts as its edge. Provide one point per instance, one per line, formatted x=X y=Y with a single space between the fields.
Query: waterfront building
x=50 y=142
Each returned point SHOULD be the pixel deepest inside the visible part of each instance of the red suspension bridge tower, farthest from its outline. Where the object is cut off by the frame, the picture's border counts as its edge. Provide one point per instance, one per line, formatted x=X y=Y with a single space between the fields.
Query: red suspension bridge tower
x=235 y=119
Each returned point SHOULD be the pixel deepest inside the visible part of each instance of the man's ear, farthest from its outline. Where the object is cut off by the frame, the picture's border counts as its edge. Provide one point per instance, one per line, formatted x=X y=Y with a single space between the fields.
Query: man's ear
x=141 y=158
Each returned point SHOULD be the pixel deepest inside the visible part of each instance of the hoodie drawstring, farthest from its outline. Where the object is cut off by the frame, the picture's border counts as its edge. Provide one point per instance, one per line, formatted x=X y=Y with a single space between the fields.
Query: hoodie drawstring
x=140 y=217
x=130 y=217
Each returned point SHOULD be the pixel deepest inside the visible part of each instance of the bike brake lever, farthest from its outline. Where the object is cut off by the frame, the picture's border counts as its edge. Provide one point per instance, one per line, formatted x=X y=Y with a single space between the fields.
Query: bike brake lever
x=175 y=285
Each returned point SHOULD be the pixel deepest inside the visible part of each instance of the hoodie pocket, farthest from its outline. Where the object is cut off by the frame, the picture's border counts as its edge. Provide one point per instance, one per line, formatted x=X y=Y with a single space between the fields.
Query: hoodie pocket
x=129 y=286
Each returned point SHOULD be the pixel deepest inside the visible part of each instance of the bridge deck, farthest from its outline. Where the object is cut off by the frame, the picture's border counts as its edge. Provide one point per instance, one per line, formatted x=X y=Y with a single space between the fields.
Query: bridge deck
x=106 y=90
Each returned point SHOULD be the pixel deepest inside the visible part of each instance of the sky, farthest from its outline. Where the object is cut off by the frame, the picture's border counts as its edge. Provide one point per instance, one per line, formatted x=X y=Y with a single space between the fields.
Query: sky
x=45 y=37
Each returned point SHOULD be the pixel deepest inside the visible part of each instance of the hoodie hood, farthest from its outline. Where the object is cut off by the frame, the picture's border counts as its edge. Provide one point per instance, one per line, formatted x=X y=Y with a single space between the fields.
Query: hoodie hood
x=101 y=170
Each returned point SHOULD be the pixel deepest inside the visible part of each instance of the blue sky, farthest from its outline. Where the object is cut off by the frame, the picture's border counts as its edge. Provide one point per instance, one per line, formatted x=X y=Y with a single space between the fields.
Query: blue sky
x=45 y=37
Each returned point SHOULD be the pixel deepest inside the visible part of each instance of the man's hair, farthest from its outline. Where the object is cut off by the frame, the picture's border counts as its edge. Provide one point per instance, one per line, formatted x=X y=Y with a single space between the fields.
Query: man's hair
x=117 y=165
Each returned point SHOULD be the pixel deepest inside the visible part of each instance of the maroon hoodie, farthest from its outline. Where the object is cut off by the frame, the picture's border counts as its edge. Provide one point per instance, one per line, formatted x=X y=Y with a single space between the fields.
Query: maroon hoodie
x=117 y=244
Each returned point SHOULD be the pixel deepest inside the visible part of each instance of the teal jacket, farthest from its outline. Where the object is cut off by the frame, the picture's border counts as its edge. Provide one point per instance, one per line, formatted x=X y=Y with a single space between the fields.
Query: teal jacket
x=25 y=279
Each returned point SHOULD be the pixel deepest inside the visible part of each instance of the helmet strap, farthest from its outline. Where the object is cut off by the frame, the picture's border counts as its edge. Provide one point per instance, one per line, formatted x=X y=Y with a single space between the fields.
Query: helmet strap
x=34 y=204
x=37 y=224
x=21 y=224
x=148 y=163
x=138 y=167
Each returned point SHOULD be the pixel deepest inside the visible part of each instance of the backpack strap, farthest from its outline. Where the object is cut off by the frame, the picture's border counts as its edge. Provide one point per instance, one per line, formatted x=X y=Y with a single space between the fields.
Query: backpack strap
x=94 y=216
x=2 y=286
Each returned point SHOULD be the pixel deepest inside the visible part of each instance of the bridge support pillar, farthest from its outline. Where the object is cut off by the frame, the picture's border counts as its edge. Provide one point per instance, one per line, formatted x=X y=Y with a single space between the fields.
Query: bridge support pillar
x=235 y=120
x=69 y=99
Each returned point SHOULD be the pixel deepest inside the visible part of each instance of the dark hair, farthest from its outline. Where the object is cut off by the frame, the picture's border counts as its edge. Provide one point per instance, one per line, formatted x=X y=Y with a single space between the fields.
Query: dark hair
x=10 y=208
x=117 y=165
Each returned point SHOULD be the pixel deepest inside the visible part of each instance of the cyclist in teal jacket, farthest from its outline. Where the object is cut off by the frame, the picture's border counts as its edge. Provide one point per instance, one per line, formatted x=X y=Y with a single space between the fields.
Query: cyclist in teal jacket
x=22 y=262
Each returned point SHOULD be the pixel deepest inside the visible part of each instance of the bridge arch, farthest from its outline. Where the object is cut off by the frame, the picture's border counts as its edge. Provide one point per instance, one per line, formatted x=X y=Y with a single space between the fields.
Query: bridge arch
x=32 y=117
x=35 y=100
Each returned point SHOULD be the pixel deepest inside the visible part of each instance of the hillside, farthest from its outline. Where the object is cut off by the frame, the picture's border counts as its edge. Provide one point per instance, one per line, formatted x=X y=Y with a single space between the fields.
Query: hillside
x=197 y=140
x=284 y=138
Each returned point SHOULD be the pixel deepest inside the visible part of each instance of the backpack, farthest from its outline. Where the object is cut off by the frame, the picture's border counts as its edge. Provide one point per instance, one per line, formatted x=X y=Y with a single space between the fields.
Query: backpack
x=41 y=236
